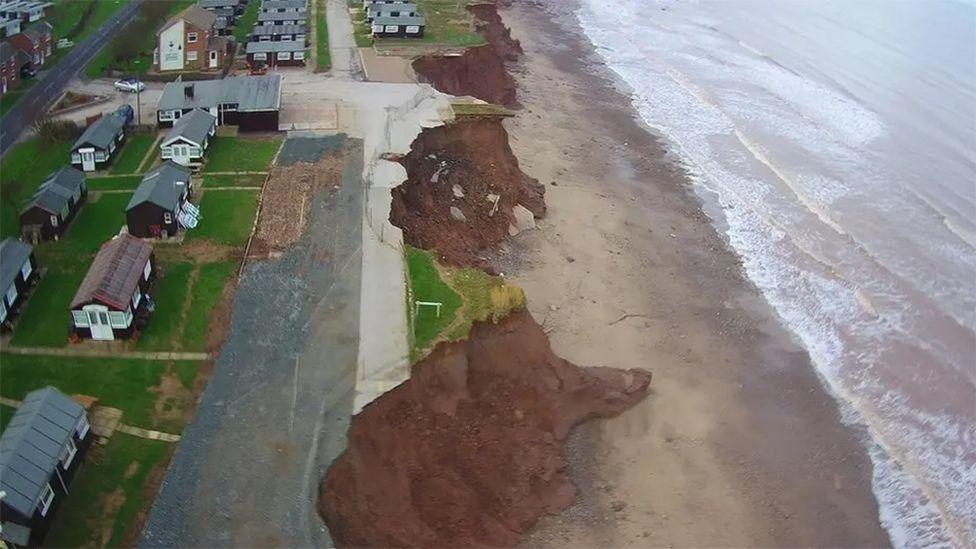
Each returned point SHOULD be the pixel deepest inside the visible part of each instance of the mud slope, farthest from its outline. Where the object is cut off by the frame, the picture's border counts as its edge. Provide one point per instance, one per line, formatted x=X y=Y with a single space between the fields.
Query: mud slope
x=468 y=452
x=479 y=72
x=462 y=166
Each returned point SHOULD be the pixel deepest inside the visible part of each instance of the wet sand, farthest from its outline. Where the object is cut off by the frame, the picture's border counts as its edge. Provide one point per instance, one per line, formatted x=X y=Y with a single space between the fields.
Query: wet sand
x=738 y=443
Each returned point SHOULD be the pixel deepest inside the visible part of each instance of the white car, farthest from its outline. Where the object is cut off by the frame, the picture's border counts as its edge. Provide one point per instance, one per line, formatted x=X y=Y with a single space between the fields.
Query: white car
x=130 y=86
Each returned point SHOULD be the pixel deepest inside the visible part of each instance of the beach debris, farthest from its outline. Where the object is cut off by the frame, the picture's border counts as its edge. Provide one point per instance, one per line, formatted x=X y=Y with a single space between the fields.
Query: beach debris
x=522 y=220
x=457 y=214
x=458 y=191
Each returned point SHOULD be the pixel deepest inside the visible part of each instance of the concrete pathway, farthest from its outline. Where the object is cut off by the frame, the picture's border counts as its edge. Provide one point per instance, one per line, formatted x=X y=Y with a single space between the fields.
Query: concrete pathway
x=105 y=421
x=147 y=433
x=342 y=43
x=113 y=353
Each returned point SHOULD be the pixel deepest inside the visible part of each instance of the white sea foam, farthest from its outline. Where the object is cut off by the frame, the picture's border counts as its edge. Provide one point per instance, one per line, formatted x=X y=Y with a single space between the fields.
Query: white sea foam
x=799 y=171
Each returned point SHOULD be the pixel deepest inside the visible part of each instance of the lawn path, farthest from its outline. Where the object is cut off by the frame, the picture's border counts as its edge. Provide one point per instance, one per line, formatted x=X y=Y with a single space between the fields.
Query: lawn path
x=150 y=154
x=190 y=283
x=143 y=355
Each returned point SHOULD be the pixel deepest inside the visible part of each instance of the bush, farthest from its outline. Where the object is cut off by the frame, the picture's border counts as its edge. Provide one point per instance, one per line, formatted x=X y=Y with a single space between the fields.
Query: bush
x=50 y=130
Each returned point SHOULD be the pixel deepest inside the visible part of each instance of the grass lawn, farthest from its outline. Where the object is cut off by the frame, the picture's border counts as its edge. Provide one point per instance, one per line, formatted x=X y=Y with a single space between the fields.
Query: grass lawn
x=99 y=220
x=22 y=170
x=485 y=297
x=132 y=154
x=226 y=216
x=323 y=59
x=170 y=293
x=105 y=59
x=426 y=285
x=234 y=180
x=109 y=493
x=237 y=154
x=76 y=19
x=124 y=182
x=209 y=285
x=125 y=383
x=45 y=320
x=246 y=22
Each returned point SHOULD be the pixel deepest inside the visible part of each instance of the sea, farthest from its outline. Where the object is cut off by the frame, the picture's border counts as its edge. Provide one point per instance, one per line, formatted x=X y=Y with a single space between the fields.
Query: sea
x=834 y=143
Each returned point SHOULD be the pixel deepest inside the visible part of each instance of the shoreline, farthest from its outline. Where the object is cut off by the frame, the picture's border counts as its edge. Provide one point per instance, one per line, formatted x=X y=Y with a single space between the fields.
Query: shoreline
x=655 y=285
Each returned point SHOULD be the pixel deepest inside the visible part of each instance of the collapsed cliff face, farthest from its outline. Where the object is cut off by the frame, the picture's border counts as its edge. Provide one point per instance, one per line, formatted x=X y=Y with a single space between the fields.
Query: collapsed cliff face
x=480 y=71
x=463 y=184
x=468 y=452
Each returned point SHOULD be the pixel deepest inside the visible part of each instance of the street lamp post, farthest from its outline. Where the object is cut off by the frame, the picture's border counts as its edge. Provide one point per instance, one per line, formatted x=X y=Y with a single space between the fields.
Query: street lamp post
x=138 y=94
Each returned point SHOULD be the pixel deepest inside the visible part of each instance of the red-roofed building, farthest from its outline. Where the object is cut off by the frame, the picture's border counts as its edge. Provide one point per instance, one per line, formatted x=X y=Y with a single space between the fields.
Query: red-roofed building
x=35 y=41
x=113 y=300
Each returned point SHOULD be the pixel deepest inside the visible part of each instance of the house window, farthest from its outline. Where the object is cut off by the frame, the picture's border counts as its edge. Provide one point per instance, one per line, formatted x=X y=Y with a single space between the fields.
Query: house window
x=284 y=56
x=413 y=29
x=147 y=270
x=93 y=317
x=167 y=218
x=54 y=221
x=392 y=28
x=191 y=37
x=117 y=319
x=26 y=269
x=163 y=116
x=47 y=496
x=68 y=454
x=377 y=28
x=11 y=294
x=286 y=38
x=260 y=56
x=136 y=299
x=99 y=156
x=76 y=158
x=82 y=428
x=191 y=55
x=3 y=311
x=299 y=55
x=80 y=318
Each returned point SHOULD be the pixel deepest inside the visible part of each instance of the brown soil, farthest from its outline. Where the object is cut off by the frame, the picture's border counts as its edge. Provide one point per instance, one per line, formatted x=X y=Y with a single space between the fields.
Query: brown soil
x=474 y=155
x=468 y=451
x=220 y=316
x=286 y=198
x=479 y=72
x=173 y=402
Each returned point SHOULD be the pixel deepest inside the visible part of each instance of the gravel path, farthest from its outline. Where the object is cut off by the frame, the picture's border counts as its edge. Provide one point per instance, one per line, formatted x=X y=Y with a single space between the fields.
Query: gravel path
x=275 y=413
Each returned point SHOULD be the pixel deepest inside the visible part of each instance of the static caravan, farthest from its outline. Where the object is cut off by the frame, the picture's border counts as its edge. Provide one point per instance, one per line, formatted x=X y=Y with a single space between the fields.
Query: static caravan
x=276 y=54
x=252 y=103
x=55 y=203
x=18 y=272
x=112 y=300
x=188 y=139
x=40 y=451
x=158 y=203
x=275 y=33
x=96 y=147
x=404 y=26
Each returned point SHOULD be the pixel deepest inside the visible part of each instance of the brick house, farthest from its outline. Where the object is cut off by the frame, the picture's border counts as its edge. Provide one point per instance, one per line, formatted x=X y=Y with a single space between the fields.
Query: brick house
x=189 y=42
x=10 y=58
x=35 y=42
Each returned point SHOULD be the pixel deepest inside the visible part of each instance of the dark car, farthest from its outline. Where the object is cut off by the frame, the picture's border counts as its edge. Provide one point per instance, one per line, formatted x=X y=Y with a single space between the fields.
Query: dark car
x=27 y=72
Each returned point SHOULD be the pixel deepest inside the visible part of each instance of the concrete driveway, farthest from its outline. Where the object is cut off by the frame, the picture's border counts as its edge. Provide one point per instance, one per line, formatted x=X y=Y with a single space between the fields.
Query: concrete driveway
x=147 y=99
x=276 y=411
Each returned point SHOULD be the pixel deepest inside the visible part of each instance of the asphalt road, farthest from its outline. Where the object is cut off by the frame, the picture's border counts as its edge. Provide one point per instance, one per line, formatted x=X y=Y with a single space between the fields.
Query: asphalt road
x=277 y=408
x=27 y=109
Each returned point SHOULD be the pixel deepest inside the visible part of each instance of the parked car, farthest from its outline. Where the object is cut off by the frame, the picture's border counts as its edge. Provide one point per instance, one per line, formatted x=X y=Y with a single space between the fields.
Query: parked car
x=27 y=72
x=129 y=85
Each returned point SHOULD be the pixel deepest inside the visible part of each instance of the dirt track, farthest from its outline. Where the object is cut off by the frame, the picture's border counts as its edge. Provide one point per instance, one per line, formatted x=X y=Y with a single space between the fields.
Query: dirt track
x=468 y=452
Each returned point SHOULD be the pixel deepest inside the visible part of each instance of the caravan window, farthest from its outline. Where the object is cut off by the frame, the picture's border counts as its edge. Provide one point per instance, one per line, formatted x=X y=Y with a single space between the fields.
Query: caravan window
x=260 y=56
x=284 y=56
x=413 y=29
x=47 y=496
x=392 y=28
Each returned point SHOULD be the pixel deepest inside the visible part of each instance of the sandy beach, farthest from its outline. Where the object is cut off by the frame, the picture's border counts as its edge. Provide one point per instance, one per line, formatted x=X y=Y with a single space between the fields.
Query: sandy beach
x=738 y=444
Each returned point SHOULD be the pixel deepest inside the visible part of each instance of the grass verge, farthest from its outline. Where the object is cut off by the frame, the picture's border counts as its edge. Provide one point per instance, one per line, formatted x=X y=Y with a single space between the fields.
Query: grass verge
x=426 y=285
x=236 y=154
x=121 y=183
x=22 y=170
x=170 y=292
x=244 y=25
x=323 y=58
x=132 y=154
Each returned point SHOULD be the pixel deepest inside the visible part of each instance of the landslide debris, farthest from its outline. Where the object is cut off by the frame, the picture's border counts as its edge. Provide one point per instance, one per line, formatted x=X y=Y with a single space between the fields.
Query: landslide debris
x=462 y=191
x=479 y=71
x=468 y=451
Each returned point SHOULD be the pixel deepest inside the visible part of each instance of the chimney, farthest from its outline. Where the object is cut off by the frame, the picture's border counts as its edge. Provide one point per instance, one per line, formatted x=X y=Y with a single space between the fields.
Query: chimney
x=188 y=91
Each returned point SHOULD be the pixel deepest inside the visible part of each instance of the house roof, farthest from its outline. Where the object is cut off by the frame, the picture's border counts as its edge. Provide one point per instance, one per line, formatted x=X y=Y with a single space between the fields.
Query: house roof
x=269 y=46
x=375 y=9
x=251 y=93
x=194 y=15
x=162 y=186
x=286 y=4
x=13 y=255
x=53 y=193
x=264 y=30
x=102 y=132
x=286 y=16
x=193 y=127
x=32 y=443
x=217 y=3
x=114 y=275
x=418 y=20
x=7 y=50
